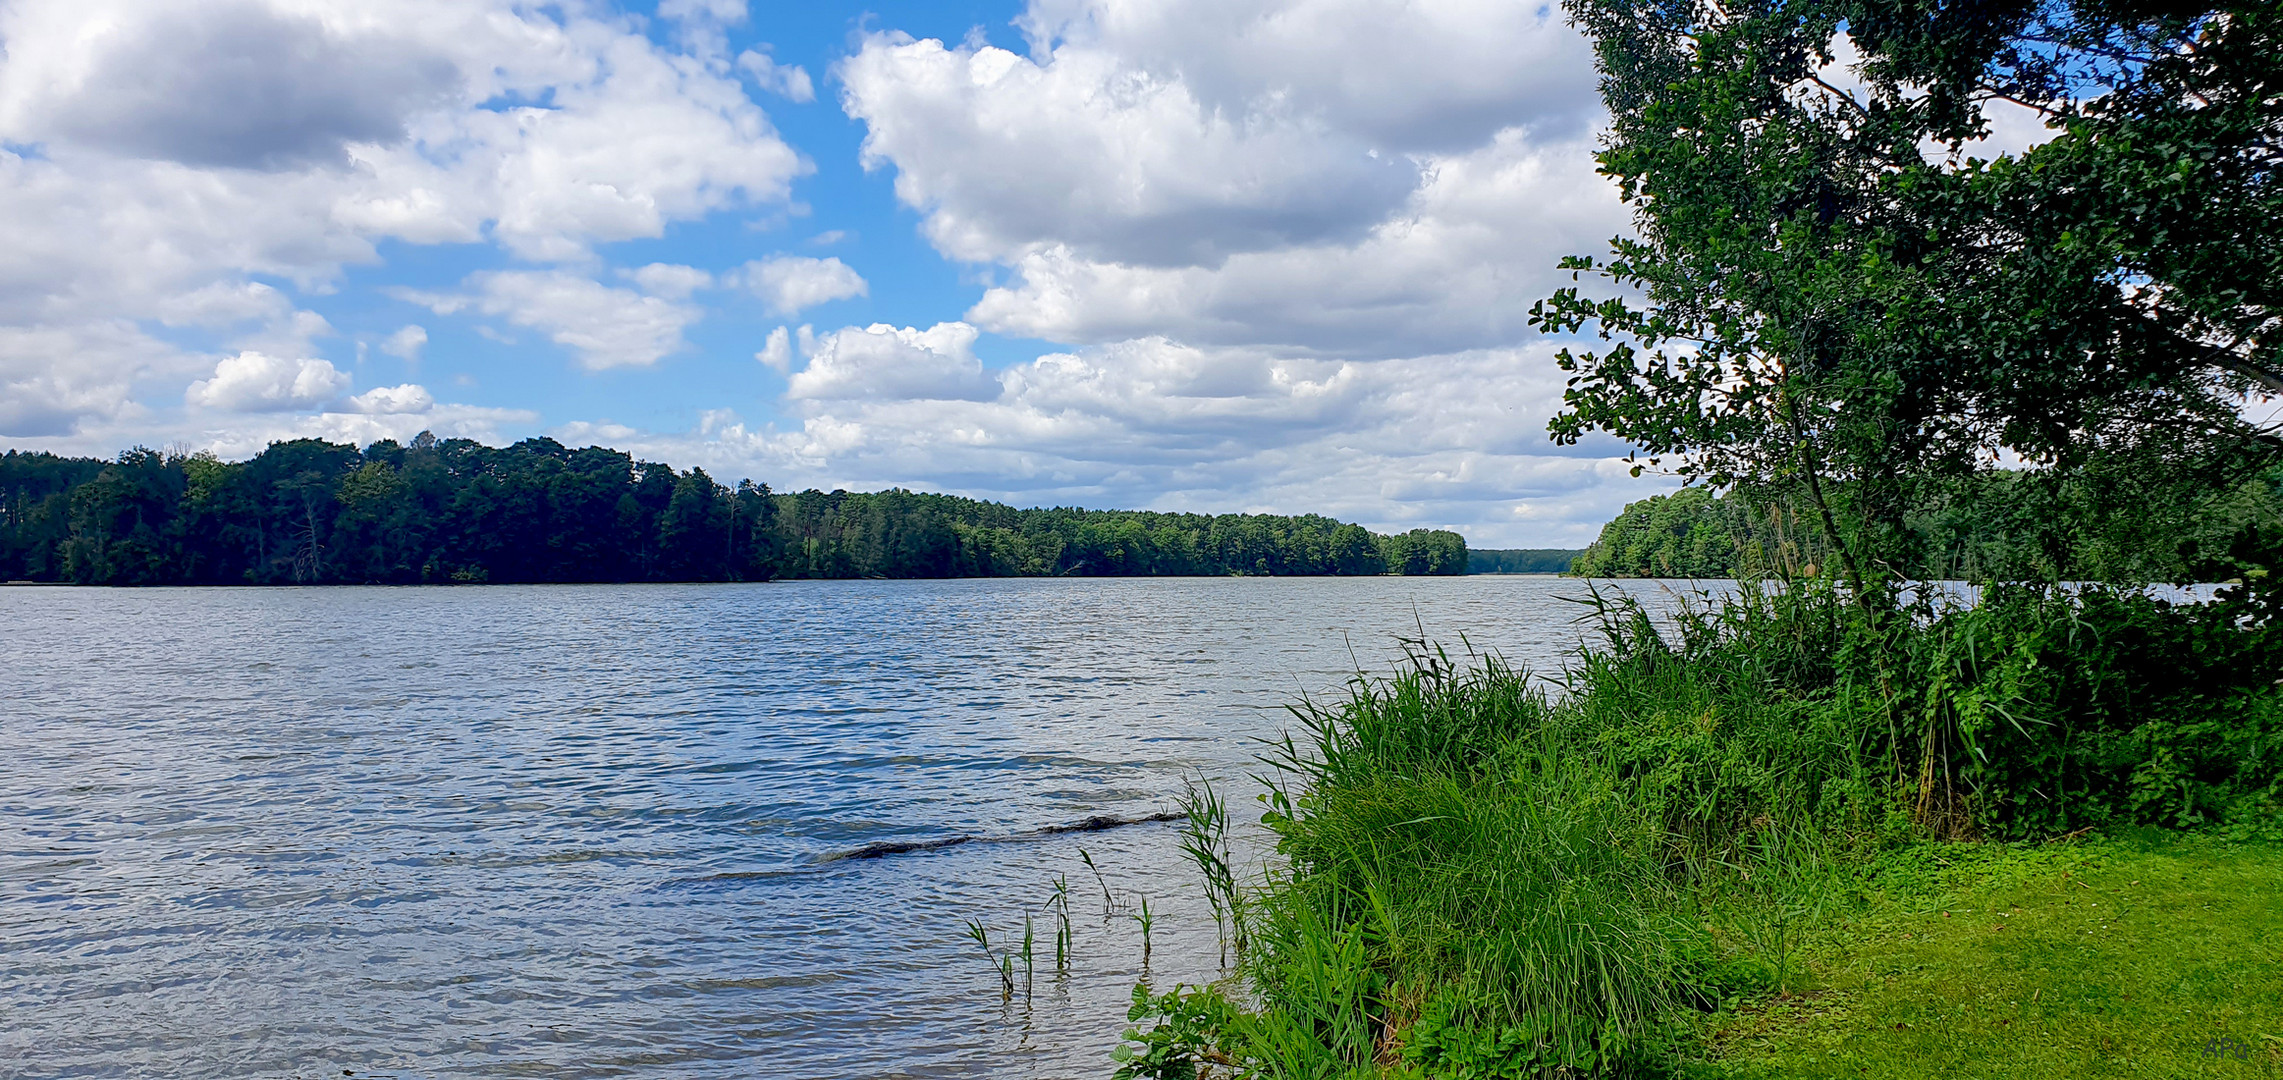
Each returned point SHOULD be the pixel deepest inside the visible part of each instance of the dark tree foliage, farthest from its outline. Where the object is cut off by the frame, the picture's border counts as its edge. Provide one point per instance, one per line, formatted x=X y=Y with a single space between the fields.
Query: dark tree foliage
x=35 y=509
x=907 y=534
x=1836 y=304
x=452 y=510
x=1520 y=560
x=1990 y=526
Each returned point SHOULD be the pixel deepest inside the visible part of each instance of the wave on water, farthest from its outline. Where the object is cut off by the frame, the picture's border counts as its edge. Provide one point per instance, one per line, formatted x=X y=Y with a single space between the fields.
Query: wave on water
x=1097 y=823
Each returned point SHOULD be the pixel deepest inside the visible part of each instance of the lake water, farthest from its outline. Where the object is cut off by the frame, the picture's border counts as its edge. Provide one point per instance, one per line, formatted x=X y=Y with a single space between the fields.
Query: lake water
x=587 y=830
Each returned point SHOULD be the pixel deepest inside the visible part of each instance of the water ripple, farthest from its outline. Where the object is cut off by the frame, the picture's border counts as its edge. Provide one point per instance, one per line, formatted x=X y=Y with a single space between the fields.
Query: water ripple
x=612 y=831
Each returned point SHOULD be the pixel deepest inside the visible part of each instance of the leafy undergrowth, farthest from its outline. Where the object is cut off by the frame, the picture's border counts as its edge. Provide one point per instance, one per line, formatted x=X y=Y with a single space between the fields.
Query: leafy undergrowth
x=2135 y=957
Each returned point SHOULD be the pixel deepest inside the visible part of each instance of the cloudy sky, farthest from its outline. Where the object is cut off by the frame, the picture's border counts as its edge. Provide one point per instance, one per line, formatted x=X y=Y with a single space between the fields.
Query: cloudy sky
x=1213 y=255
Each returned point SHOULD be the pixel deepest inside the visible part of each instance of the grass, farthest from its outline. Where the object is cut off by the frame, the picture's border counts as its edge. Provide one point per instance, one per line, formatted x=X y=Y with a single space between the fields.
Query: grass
x=2150 y=955
x=1731 y=843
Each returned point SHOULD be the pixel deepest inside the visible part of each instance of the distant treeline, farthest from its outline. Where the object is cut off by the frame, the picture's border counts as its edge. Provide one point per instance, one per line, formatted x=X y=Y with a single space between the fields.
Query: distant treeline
x=1995 y=526
x=1520 y=560
x=452 y=510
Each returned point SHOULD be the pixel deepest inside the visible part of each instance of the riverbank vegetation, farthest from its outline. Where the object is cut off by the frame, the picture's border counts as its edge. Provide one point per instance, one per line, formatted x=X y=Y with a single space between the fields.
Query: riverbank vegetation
x=453 y=510
x=1828 y=824
x=1648 y=865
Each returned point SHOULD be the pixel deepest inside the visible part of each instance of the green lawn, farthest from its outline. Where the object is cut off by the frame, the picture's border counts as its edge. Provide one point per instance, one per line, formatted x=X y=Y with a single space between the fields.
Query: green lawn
x=2139 y=957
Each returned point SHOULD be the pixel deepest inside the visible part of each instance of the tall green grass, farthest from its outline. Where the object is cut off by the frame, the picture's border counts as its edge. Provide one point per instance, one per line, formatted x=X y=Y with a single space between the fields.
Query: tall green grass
x=1486 y=872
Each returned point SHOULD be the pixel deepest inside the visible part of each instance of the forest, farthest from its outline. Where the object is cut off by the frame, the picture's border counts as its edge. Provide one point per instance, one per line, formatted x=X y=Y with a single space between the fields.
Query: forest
x=440 y=511
x=1520 y=560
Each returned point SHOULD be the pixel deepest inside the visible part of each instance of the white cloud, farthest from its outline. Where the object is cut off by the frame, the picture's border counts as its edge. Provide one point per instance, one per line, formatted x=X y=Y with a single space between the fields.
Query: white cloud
x=1405 y=75
x=777 y=352
x=1476 y=244
x=790 y=284
x=224 y=303
x=406 y=343
x=668 y=280
x=256 y=382
x=882 y=361
x=383 y=400
x=789 y=81
x=43 y=399
x=234 y=84
x=1452 y=440
x=246 y=436
x=600 y=433
x=1354 y=177
x=606 y=327
x=2012 y=129
x=1289 y=242
x=194 y=165
x=1124 y=165
x=293 y=333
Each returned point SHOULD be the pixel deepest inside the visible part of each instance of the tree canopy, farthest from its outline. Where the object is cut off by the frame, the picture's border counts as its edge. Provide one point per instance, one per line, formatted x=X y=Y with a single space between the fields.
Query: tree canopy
x=452 y=510
x=1831 y=296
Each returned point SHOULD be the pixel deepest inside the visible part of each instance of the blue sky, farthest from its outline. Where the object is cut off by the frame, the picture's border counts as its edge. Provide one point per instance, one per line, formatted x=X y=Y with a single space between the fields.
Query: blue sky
x=839 y=210
x=1213 y=255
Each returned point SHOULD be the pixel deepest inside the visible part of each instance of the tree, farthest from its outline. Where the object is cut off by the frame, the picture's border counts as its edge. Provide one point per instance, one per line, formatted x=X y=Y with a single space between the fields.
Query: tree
x=1831 y=298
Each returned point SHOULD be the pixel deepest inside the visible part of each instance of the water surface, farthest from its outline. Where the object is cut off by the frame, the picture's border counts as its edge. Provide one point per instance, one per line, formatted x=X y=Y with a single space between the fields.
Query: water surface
x=586 y=830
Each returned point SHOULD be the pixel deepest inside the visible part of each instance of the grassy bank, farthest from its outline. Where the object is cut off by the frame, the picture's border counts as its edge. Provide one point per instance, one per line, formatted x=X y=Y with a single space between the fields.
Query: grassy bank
x=2145 y=955
x=1701 y=851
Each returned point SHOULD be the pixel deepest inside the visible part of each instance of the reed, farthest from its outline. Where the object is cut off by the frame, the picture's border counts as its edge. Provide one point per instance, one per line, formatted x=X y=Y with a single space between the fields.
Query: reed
x=1205 y=840
x=1108 y=907
x=1000 y=963
x=1147 y=922
x=1029 y=955
x=1060 y=905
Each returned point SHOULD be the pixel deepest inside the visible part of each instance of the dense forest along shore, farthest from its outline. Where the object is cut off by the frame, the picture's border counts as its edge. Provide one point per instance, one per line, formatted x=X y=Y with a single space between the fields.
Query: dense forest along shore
x=438 y=511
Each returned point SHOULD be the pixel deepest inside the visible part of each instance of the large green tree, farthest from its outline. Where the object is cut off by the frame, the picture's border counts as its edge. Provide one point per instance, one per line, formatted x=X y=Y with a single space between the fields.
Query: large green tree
x=1832 y=297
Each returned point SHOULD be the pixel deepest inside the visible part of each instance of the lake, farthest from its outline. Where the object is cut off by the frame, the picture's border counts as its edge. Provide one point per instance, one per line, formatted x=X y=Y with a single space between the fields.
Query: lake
x=590 y=830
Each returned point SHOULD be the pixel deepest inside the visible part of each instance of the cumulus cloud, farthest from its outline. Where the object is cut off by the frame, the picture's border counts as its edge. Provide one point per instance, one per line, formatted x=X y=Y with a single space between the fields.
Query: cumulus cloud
x=1477 y=243
x=228 y=84
x=777 y=352
x=1287 y=243
x=1292 y=241
x=1453 y=440
x=889 y=362
x=43 y=399
x=1124 y=165
x=193 y=166
x=790 y=284
x=256 y=382
x=1406 y=75
x=383 y=400
x=1362 y=177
